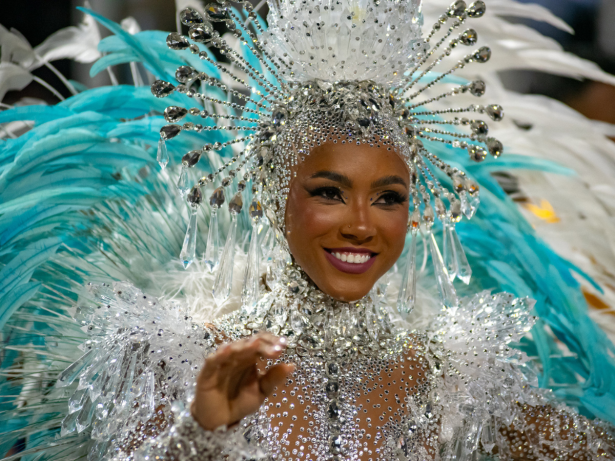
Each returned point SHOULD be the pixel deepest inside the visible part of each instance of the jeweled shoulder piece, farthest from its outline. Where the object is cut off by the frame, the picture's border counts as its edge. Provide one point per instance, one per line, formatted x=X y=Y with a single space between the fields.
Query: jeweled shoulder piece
x=344 y=71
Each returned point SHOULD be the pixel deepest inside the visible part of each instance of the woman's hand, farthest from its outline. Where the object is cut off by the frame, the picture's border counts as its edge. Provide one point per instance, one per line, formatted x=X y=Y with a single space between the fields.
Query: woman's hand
x=231 y=386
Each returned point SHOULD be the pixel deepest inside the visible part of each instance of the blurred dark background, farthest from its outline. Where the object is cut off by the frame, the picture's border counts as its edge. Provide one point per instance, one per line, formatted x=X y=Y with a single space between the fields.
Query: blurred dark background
x=593 y=21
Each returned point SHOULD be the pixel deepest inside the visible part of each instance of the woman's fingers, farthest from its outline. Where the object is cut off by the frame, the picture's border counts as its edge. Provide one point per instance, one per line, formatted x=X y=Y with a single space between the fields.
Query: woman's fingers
x=275 y=376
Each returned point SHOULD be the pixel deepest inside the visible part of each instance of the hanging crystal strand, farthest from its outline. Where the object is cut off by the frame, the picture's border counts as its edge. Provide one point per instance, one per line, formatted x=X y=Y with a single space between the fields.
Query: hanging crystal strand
x=464 y=271
x=188 y=252
x=182 y=182
x=249 y=295
x=162 y=157
x=447 y=293
x=212 y=250
x=448 y=250
x=407 y=291
x=224 y=278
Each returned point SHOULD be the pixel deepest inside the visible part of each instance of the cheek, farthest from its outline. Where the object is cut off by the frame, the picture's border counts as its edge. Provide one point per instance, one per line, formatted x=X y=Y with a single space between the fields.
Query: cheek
x=309 y=219
x=393 y=229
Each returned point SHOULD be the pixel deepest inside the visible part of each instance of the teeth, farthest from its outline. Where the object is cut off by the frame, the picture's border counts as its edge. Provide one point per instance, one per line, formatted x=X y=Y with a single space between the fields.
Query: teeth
x=354 y=258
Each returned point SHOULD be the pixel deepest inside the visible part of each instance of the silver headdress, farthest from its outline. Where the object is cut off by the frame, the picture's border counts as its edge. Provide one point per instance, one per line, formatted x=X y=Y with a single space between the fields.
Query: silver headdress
x=329 y=70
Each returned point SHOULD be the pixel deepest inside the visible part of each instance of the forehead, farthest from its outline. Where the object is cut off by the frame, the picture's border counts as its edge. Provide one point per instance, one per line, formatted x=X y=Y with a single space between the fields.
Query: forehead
x=358 y=161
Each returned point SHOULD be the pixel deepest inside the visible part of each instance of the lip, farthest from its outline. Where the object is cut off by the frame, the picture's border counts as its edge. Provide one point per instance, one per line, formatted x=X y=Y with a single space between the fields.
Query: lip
x=350 y=268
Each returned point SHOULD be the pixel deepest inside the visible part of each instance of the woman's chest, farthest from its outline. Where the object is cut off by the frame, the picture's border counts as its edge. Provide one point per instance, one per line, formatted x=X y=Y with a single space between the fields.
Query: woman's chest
x=343 y=409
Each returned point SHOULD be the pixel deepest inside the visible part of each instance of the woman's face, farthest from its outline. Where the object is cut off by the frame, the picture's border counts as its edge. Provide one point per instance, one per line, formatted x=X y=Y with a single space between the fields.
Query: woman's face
x=347 y=216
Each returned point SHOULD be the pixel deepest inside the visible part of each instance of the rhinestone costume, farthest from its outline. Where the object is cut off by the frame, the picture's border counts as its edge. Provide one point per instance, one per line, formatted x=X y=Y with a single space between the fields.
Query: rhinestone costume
x=365 y=387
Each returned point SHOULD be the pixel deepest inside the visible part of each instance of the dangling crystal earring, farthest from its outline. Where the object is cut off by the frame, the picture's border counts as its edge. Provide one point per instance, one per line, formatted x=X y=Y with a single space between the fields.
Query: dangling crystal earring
x=188 y=252
x=224 y=278
x=250 y=291
x=407 y=291
x=212 y=250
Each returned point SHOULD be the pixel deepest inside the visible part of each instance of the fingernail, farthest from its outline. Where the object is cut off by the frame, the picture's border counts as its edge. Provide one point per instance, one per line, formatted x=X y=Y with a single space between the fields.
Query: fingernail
x=278 y=348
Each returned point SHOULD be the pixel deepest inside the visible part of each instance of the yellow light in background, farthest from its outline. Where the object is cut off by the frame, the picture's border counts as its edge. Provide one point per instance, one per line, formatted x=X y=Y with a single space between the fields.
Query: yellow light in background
x=545 y=211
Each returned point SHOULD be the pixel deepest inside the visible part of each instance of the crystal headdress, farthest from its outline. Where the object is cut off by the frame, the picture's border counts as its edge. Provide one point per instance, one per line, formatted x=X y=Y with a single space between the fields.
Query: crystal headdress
x=328 y=70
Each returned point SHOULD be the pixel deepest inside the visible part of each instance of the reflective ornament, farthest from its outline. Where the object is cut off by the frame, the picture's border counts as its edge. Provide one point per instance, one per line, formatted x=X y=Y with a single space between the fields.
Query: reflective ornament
x=177 y=41
x=190 y=16
x=469 y=37
x=216 y=12
x=162 y=155
x=217 y=198
x=477 y=153
x=174 y=114
x=477 y=9
x=478 y=88
x=479 y=127
x=457 y=9
x=185 y=73
x=161 y=89
x=191 y=158
x=495 y=111
x=188 y=252
x=201 y=33
x=169 y=131
x=482 y=55
x=496 y=148
x=195 y=197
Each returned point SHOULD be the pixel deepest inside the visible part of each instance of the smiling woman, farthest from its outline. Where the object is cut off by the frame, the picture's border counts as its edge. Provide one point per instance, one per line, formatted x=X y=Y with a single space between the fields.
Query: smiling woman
x=347 y=216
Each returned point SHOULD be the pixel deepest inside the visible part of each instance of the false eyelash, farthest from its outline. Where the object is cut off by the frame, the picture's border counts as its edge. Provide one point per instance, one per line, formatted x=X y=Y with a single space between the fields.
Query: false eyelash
x=395 y=197
x=322 y=192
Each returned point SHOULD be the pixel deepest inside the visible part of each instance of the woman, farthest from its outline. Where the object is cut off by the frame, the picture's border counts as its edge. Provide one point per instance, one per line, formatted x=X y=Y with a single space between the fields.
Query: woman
x=316 y=365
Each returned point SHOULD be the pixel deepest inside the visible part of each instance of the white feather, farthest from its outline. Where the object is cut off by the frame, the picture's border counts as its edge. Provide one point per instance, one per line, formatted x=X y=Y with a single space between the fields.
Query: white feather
x=13 y=77
x=78 y=43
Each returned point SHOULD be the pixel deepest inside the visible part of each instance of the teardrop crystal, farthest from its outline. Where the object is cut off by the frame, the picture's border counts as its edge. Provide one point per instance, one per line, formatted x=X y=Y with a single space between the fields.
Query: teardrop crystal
x=457 y=8
x=182 y=182
x=216 y=13
x=236 y=204
x=255 y=210
x=201 y=33
x=162 y=156
x=212 y=250
x=479 y=127
x=477 y=153
x=169 y=131
x=174 y=114
x=195 y=197
x=250 y=291
x=177 y=41
x=469 y=37
x=67 y=377
x=482 y=55
x=478 y=88
x=447 y=293
x=464 y=271
x=185 y=73
x=190 y=16
x=495 y=111
x=192 y=158
x=448 y=250
x=224 y=277
x=477 y=9
x=161 y=89
x=407 y=292
x=217 y=198
x=496 y=148
x=188 y=252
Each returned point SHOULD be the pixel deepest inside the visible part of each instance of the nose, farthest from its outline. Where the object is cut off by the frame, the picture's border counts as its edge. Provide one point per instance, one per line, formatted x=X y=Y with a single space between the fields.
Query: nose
x=358 y=226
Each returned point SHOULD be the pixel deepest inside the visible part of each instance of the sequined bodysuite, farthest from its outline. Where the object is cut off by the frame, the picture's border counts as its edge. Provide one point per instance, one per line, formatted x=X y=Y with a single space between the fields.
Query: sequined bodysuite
x=364 y=387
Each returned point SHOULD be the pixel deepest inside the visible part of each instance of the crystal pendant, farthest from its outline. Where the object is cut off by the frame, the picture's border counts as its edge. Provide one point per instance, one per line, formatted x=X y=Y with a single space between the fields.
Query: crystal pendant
x=249 y=295
x=162 y=89
x=464 y=271
x=488 y=434
x=466 y=207
x=445 y=287
x=477 y=9
x=182 y=182
x=174 y=114
x=162 y=156
x=482 y=55
x=478 y=88
x=67 y=377
x=496 y=148
x=448 y=250
x=495 y=111
x=188 y=252
x=224 y=277
x=407 y=292
x=212 y=251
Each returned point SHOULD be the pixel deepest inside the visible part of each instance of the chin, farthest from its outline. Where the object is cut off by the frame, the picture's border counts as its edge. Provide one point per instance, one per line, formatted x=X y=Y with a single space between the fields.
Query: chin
x=342 y=292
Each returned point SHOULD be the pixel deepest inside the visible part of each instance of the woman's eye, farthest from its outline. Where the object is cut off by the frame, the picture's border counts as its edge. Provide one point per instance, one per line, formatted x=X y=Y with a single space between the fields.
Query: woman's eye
x=330 y=193
x=390 y=198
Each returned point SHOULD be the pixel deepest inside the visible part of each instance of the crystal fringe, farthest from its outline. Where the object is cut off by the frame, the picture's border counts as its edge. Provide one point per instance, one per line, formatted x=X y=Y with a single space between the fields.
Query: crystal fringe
x=464 y=271
x=250 y=292
x=407 y=290
x=224 y=277
x=448 y=250
x=162 y=156
x=212 y=250
x=447 y=293
x=188 y=252
x=182 y=182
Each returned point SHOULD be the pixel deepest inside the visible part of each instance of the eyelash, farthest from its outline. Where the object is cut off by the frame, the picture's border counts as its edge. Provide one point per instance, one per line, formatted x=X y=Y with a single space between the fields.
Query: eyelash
x=334 y=193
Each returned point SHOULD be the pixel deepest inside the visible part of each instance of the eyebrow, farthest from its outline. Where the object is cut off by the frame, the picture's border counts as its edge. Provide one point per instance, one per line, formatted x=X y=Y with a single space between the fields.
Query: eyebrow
x=388 y=181
x=333 y=176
